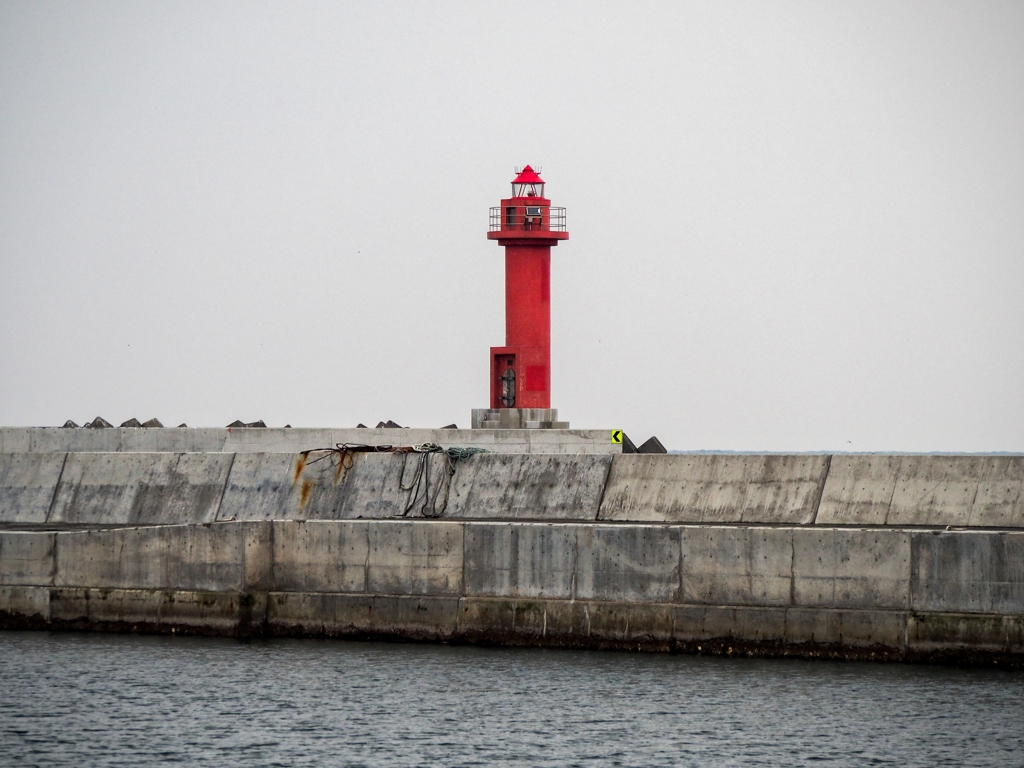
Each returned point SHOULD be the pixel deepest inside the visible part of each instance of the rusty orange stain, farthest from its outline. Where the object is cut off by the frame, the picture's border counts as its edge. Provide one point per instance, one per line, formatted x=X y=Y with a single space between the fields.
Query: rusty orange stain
x=300 y=465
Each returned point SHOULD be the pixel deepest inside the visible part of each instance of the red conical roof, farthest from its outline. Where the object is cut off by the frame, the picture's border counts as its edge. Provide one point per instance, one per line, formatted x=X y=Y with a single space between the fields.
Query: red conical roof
x=528 y=176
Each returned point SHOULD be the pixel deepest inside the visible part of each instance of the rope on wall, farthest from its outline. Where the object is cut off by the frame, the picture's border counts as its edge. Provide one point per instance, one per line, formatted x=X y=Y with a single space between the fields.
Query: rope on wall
x=418 y=487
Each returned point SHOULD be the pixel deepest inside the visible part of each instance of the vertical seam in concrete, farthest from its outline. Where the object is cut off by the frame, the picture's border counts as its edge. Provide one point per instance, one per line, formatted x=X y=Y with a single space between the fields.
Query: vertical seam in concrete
x=224 y=490
x=895 y=482
x=53 y=560
x=244 y=575
x=680 y=593
x=821 y=489
x=56 y=486
x=910 y=575
x=575 y=562
x=272 y=576
x=792 y=568
x=974 y=499
x=366 y=562
x=604 y=488
x=465 y=579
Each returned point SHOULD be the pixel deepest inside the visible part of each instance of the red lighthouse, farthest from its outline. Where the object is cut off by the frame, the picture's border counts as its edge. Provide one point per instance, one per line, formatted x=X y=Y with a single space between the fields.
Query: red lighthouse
x=527 y=226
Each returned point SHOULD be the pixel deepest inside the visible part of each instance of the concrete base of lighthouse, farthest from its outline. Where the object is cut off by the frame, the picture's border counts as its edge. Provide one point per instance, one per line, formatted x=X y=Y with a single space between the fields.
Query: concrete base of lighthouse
x=517 y=418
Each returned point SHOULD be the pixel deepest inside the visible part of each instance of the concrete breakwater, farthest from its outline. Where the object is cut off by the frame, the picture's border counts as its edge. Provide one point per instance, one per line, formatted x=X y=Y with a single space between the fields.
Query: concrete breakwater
x=884 y=593
x=134 y=488
x=877 y=556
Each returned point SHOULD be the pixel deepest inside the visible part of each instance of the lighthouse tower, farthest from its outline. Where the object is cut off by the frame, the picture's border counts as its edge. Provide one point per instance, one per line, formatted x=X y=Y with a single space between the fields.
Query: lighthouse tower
x=527 y=227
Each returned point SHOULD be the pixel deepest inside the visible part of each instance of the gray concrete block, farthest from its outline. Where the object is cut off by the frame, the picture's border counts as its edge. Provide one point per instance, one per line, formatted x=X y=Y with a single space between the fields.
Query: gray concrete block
x=968 y=572
x=209 y=439
x=262 y=486
x=169 y=440
x=284 y=486
x=320 y=556
x=25 y=602
x=15 y=439
x=215 y=613
x=753 y=624
x=26 y=558
x=858 y=490
x=939 y=632
x=579 y=441
x=688 y=623
x=59 y=440
x=644 y=623
x=28 y=482
x=523 y=560
x=257 y=556
x=319 y=613
x=812 y=625
x=300 y=613
x=374 y=487
x=934 y=490
x=736 y=566
x=959 y=491
x=416 y=617
x=710 y=488
x=865 y=629
x=263 y=440
x=140 y=488
x=528 y=487
x=840 y=568
x=627 y=563
x=999 y=500
x=488 y=617
x=414 y=558
x=187 y=557
x=222 y=613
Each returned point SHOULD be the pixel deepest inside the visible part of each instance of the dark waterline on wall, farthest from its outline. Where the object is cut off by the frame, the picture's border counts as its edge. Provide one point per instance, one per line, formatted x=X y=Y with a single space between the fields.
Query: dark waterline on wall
x=109 y=700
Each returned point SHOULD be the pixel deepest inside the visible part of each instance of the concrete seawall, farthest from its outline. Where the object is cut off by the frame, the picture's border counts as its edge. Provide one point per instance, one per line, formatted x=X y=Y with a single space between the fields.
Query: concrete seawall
x=834 y=592
x=908 y=557
x=131 y=488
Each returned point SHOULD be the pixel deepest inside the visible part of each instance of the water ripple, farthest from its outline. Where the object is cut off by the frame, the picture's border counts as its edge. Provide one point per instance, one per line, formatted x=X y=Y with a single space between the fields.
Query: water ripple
x=107 y=700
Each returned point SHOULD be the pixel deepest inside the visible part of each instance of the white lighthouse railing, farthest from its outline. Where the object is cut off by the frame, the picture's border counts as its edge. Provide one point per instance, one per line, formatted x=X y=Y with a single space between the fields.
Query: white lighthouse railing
x=526 y=218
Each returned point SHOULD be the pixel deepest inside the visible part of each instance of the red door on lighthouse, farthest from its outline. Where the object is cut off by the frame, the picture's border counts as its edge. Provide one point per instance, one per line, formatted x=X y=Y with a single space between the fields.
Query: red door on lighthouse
x=527 y=226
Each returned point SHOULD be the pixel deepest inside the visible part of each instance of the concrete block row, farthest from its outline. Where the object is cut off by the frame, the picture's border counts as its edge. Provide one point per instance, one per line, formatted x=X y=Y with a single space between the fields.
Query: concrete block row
x=129 y=488
x=714 y=488
x=251 y=440
x=371 y=557
x=140 y=488
x=178 y=488
x=977 y=491
x=810 y=632
x=691 y=564
x=877 y=569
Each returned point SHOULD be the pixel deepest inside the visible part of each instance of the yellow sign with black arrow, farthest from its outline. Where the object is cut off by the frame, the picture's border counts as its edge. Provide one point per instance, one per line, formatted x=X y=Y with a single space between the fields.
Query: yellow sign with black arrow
x=616 y=437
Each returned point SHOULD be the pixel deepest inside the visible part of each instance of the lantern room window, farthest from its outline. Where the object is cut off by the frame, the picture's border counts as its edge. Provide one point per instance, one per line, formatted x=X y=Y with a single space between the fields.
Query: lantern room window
x=527 y=184
x=527 y=190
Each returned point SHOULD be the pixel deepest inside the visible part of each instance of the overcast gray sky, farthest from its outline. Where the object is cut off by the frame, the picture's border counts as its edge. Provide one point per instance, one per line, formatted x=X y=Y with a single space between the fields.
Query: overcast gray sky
x=793 y=226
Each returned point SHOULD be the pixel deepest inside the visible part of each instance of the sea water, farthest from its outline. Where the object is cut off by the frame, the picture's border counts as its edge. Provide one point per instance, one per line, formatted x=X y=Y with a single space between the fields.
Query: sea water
x=80 y=700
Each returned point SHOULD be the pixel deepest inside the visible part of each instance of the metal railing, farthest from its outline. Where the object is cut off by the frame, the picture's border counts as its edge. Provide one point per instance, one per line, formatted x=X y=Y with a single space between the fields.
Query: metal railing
x=514 y=218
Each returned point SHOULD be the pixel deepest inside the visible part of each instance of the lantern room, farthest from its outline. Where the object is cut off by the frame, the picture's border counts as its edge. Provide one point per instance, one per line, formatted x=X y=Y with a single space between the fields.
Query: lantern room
x=527 y=183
